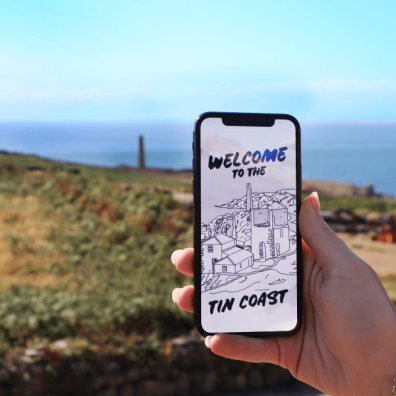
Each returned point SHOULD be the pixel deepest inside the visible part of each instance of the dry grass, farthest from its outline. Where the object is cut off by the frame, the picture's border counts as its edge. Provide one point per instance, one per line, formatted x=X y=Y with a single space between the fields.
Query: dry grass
x=25 y=253
x=379 y=255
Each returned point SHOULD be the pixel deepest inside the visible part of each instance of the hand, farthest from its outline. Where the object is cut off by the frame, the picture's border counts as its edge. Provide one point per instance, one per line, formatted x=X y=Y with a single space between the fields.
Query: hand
x=347 y=342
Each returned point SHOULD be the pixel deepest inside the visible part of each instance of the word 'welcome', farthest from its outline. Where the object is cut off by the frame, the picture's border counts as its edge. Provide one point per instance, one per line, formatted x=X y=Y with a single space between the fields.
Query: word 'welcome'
x=247 y=158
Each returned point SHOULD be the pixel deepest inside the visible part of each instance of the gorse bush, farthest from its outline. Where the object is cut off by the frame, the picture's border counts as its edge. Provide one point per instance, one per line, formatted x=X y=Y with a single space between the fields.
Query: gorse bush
x=101 y=317
x=113 y=277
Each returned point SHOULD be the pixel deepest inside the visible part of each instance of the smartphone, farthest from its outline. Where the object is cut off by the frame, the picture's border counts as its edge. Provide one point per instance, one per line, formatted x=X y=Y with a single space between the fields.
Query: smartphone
x=247 y=194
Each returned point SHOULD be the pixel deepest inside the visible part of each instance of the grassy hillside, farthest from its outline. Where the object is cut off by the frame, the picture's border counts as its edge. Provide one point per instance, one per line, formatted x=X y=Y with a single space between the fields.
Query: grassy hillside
x=112 y=174
x=87 y=258
x=84 y=255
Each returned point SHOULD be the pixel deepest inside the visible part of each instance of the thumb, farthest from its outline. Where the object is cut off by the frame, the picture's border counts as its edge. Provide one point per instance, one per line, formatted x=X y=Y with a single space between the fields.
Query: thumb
x=249 y=349
x=329 y=250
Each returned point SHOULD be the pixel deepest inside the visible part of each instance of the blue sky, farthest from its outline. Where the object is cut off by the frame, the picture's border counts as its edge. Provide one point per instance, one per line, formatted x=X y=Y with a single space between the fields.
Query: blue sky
x=151 y=60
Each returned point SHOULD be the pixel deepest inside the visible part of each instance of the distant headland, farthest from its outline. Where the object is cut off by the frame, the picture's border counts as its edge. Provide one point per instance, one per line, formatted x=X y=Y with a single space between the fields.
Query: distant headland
x=323 y=187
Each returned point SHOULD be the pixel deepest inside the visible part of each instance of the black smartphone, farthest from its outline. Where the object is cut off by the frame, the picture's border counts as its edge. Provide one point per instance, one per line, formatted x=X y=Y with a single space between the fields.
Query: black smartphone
x=247 y=194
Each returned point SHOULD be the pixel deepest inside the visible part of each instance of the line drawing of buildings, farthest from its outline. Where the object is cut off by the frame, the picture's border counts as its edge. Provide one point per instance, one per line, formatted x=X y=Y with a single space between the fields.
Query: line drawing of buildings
x=219 y=254
x=269 y=239
x=270 y=231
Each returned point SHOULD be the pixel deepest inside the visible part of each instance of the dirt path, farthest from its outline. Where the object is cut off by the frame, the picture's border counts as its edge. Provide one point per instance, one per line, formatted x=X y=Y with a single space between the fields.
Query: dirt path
x=380 y=255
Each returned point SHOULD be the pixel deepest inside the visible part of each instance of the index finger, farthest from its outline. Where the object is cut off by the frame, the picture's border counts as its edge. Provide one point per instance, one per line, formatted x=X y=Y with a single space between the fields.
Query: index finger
x=184 y=261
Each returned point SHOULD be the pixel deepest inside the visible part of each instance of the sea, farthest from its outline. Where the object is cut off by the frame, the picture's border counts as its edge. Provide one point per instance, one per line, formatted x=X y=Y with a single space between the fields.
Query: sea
x=361 y=152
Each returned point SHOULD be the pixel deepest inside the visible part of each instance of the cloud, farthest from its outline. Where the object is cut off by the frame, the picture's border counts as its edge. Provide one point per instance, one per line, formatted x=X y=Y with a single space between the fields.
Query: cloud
x=321 y=99
x=325 y=84
x=33 y=94
x=72 y=94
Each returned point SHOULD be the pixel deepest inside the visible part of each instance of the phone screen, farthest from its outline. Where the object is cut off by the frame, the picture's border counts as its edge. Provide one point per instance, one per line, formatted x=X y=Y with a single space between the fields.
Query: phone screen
x=248 y=226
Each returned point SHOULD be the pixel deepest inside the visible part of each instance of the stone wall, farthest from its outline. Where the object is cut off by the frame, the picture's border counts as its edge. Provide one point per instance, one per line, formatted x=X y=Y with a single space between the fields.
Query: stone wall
x=188 y=368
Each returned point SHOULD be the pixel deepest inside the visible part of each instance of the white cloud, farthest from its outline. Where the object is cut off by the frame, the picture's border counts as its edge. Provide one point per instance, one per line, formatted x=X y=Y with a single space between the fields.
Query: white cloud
x=65 y=94
x=323 y=84
x=26 y=94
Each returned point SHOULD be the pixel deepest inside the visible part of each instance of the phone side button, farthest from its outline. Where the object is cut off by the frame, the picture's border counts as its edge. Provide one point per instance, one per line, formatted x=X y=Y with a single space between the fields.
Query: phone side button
x=193 y=186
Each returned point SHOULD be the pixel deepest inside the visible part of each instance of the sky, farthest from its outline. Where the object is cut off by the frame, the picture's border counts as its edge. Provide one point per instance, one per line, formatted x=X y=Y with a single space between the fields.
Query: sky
x=172 y=60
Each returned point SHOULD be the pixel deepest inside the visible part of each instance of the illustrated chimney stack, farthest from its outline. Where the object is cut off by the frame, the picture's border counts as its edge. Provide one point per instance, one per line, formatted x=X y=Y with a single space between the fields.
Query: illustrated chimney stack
x=248 y=197
x=141 y=162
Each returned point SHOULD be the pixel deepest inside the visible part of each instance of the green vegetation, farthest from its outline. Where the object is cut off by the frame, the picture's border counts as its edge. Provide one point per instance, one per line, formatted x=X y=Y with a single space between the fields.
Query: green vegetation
x=112 y=174
x=356 y=203
x=85 y=255
x=91 y=261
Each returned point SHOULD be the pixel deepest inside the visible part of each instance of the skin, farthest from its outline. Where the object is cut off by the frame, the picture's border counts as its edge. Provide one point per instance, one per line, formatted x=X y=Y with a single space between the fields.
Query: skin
x=346 y=345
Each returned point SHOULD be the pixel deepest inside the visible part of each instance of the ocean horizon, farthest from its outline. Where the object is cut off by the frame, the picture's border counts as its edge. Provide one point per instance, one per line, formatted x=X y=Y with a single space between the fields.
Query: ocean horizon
x=360 y=152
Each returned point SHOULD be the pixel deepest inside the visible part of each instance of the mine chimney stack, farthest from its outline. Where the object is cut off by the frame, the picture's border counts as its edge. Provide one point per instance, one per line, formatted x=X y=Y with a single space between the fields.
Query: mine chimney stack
x=141 y=160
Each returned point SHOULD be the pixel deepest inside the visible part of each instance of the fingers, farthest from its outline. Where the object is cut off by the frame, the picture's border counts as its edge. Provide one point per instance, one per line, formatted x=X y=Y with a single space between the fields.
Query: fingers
x=184 y=261
x=184 y=298
x=254 y=350
x=329 y=250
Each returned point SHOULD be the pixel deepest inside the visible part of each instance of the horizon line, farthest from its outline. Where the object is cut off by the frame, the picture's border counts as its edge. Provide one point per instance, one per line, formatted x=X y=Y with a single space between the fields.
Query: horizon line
x=182 y=120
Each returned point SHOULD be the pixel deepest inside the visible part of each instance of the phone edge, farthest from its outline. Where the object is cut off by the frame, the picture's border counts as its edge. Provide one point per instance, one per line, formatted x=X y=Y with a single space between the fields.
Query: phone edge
x=197 y=222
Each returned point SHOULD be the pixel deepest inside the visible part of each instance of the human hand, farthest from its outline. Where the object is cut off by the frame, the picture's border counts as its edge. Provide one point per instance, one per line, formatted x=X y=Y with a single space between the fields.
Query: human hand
x=346 y=345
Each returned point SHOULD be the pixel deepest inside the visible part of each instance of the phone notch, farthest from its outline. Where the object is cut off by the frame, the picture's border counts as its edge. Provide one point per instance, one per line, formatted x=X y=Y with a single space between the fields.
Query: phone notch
x=252 y=120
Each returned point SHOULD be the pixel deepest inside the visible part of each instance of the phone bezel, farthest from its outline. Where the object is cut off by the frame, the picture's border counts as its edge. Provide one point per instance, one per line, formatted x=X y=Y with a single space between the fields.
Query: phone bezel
x=197 y=217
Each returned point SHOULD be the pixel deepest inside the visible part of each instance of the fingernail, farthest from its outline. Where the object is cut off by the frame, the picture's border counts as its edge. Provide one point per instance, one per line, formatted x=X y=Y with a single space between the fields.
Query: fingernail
x=174 y=256
x=315 y=203
x=207 y=341
x=174 y=294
